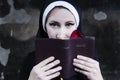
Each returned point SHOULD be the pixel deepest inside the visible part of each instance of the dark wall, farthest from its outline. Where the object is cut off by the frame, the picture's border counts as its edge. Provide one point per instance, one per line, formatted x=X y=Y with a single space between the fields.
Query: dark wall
x=107 y=33
x=19 y=25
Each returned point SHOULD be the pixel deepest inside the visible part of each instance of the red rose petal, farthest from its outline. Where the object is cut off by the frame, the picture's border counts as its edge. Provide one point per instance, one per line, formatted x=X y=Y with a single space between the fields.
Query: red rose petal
x=76 y=34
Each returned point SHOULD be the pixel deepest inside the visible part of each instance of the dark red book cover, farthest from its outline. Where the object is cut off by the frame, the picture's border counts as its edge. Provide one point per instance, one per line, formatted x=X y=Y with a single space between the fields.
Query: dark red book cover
x=65 y=51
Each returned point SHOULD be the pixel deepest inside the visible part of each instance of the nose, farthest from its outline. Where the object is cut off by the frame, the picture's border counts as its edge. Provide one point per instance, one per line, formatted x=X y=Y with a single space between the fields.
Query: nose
x=62 y=34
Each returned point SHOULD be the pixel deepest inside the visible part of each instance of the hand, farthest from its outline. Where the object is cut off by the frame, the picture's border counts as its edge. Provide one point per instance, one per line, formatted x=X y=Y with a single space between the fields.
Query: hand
x=45 y=71
x=88 y=67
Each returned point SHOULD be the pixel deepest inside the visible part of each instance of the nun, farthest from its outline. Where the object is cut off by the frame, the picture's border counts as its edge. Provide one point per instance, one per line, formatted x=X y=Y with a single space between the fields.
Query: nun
x=58 y=19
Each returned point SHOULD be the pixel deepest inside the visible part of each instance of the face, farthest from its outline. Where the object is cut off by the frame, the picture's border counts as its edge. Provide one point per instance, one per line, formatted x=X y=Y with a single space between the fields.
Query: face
x=60 y=24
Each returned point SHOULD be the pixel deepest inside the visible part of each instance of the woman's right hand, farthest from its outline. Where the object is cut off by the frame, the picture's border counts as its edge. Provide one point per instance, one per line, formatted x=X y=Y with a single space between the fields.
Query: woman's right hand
x=46 y=70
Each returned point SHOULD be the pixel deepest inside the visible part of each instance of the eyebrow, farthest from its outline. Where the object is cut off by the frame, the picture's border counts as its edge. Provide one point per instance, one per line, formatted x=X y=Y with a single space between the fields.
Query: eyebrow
x=54 y=22
x=58 y=22
x=71 y=21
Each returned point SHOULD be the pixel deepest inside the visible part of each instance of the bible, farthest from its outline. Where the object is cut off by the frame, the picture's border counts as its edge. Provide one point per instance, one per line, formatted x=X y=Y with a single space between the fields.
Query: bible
x=65 y=51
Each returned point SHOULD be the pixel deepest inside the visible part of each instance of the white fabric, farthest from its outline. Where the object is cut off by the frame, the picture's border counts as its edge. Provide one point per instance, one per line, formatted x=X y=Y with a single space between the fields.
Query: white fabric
x=60 y=3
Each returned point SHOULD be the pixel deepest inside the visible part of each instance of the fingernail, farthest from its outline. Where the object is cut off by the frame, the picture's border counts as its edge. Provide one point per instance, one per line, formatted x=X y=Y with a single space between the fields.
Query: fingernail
x=75 y=69
x=77 y=56
x=58 y=61
x=52 y=57
x=73 y=63
x=60 y=67
x=74 y=60
x=58 y=73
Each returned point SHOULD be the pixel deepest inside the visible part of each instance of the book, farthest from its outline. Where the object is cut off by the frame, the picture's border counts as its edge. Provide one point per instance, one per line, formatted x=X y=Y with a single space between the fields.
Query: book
x=65 y=51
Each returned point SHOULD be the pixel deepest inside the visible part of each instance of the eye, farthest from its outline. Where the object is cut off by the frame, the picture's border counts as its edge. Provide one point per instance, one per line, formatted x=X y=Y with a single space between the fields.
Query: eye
x=69 y=24
x=53 y=24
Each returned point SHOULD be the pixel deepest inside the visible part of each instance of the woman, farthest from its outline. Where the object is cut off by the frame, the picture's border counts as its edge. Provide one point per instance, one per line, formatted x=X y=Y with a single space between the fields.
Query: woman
x=58 y=19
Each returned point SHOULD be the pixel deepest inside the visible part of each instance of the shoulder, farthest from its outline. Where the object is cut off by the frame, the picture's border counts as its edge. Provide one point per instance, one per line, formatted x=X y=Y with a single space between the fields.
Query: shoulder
x=30 y=58
x=28 y=64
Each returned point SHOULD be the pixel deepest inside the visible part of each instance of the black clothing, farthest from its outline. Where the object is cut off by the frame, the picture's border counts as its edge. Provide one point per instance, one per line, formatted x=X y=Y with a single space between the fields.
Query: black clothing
x=28 y=64
x=30 y=60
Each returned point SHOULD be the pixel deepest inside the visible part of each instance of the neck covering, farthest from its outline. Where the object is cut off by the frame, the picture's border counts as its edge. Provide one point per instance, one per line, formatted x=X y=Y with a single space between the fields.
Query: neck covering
x=48 y=5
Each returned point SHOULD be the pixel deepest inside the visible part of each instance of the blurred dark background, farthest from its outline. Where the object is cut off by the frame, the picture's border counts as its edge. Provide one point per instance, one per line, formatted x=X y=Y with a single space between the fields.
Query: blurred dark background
x=19 y=25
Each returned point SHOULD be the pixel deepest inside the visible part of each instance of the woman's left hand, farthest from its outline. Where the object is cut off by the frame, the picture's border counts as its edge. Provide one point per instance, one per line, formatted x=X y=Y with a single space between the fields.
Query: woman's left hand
x=88 y=67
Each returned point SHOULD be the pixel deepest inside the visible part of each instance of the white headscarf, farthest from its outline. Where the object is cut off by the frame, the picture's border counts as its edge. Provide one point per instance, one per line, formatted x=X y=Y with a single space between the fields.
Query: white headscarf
x=60 y=3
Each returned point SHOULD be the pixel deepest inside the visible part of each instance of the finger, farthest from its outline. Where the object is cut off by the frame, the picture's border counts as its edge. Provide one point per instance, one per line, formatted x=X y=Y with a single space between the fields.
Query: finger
x=50 y=65
x=85 y=68
x=49 y=72
x=82 y=72
x=53 y=76
x=82 y=62
x=90 y=75
x=46 y=61
x=87 y=59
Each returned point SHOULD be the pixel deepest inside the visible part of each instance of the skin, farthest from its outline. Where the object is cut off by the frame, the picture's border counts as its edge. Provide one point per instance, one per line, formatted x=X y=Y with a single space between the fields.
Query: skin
x=61 y=27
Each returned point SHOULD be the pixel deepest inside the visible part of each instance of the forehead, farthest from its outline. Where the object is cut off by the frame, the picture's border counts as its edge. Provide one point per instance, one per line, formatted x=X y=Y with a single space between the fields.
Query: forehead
x=60 y=12
x=57 y=8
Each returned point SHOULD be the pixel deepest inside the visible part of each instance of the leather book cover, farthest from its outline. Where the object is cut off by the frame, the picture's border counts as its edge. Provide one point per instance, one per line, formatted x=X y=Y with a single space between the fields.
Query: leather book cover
x=65 y=51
